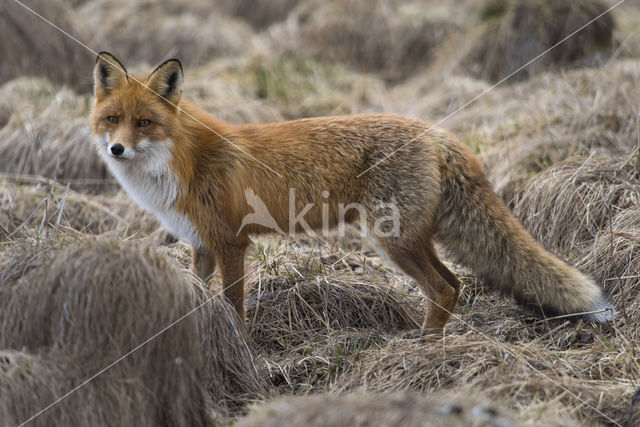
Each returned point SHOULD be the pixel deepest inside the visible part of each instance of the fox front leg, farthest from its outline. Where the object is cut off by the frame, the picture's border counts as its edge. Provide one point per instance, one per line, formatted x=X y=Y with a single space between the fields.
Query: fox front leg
x=232 y=268
x=203 y=263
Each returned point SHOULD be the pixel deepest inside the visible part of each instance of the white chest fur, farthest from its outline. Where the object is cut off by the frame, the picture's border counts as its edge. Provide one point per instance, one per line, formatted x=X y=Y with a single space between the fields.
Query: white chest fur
x=149 y=181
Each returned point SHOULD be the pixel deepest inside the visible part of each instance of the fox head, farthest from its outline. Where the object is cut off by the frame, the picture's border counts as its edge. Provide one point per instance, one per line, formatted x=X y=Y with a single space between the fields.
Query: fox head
x=133 y=117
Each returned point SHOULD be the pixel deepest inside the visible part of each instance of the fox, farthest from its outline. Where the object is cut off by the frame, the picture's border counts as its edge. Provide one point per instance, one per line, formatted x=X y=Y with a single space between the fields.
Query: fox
x=195 y=172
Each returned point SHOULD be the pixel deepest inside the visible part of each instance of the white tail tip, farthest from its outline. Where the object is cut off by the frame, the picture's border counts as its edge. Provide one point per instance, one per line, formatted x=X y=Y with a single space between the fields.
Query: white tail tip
x=604 y=311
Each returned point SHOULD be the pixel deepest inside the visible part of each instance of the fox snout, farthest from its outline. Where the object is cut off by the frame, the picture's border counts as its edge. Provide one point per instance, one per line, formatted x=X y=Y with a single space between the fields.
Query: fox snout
x=116 y=149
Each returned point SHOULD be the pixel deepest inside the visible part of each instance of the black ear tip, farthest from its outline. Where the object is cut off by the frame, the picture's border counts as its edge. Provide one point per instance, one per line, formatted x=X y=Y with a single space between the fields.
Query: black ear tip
x=177 y=61
x=103 y=54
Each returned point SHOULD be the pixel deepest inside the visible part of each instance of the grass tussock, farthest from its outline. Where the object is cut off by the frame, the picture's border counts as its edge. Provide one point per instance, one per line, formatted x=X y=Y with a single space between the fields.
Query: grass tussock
x=259 y=14
x=553 y=371
x=306 y=87
x=392 y=39
x=531 y=375
x=194 y=31
x=33 y=382
x=47 y=134
x=285 y=313
x=516 y=31
x=566 y=206
x=31 y=206
x=384 y=410
x=613 y=260
x=30 y=46
x=551 y=118
x=562 y=399
x=89 y=303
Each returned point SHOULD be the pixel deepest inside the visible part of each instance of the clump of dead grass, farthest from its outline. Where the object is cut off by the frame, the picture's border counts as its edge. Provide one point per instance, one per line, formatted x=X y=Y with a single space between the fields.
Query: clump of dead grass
x=389 y=38
x=150 y=32
x=584 y=376
x=566 y=206
x=267 y=88
x=386 y=410
x=551 y=118
x=320 y=362
x=231 y=376
x=36 y=206
x=47 y=134
x=301 y=87
x=30 y=46
x=557 y=371
x=614 y=261
x=29 y=383
x=310 y=317
x=516 y=31
x=285 y=312
x=564 y=397
x=259 y=14
x=519 y=130
x=90 y=303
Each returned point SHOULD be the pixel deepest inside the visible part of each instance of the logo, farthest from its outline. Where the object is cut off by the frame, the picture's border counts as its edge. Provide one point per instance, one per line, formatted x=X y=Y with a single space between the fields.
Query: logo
x=260 y=215
x=383 y=220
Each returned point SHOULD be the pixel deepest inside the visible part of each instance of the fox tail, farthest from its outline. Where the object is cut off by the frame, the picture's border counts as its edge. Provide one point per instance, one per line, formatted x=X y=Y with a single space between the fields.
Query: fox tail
x=480 y=232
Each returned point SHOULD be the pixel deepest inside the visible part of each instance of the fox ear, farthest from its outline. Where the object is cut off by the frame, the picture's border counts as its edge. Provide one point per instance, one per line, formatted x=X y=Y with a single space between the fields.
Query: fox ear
x=166 y=81
x=108 y=74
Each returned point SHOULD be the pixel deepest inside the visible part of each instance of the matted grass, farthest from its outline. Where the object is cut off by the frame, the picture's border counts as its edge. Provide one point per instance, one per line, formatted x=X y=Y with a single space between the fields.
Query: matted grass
x=98 y=304
x=384 y=410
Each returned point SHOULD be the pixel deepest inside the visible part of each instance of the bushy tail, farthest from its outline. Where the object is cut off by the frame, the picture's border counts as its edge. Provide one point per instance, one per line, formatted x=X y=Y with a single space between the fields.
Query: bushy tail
x=480 y=232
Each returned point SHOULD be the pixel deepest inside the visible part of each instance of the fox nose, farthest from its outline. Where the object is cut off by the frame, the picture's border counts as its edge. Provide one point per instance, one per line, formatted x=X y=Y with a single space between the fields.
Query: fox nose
x=117 y=149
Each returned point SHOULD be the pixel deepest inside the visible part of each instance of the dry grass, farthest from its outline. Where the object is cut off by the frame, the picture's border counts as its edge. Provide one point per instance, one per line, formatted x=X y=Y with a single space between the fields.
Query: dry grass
x=517 y=31
x=30 y=382
x=41 y=207
x=613 y=260
x=195 y=31
x=47 y=134
x=523 y=129
x=305 y=87
x=566 y=206
x=529 y=375
x=87 y=304
x=259 y=14
x=390 y=38
x=286 y=312
x=384 y=410
x=30 y=46
x=311 y=312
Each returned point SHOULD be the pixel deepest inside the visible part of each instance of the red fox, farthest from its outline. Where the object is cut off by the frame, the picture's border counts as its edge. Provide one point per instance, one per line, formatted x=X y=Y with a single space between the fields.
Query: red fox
x=204 y=178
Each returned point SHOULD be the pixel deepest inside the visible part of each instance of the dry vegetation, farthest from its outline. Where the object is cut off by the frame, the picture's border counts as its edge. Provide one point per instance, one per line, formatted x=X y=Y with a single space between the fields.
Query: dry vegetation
x=72 y=308
x=406 y=409
x=334 y=334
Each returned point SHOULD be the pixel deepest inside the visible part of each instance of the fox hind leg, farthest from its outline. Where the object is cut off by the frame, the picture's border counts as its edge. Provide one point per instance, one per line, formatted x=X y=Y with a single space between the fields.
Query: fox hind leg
x=446 y=274
x=439 y=284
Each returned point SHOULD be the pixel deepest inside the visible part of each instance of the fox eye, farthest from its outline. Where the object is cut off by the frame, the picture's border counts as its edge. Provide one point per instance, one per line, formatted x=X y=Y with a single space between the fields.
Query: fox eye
x=112 y=119
x=144 y=122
